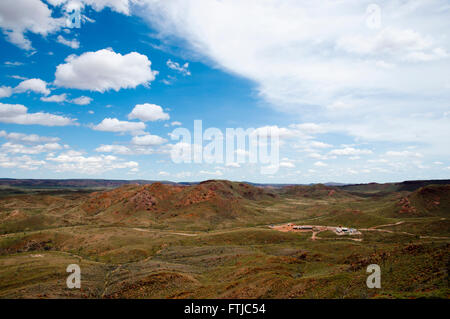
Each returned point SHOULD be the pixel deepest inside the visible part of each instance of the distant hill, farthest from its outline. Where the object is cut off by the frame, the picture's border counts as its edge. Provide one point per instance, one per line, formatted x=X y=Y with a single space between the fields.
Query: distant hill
x=392 y=187
x=110 y=183
x=72 y=183
x=316 y=191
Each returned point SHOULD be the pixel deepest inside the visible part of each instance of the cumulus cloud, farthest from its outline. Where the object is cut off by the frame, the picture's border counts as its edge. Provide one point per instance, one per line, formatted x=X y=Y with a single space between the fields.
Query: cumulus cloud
x=18 y=114
x=148 y=113
x=23 y=162
x=287 y=164
x=74 y=44
x=104 y=70
x=320 y=164
x=18 y=17
x=350 y=151
x=5 y=91
x=9 y=147
x=148 y=140
x=55 y=98
x=32 y=85
x=116 y=149
x=27 y=138
x=82 y=100
x=309 y=128
x=317 y=144
x=115 y=125
x=71 y=161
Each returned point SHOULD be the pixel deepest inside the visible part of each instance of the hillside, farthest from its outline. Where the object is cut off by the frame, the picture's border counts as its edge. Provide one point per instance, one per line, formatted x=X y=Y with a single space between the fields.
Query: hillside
x=409 y=186
x=216 y=239
x=431 y=200
x=316 y=191
x=207 y=203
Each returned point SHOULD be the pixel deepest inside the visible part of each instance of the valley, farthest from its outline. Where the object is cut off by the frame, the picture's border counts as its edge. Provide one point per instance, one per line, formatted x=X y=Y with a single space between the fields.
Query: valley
x=222 y=239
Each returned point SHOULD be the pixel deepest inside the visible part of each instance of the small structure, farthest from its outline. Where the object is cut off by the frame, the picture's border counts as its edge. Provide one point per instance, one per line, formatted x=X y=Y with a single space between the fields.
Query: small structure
x=303 y=227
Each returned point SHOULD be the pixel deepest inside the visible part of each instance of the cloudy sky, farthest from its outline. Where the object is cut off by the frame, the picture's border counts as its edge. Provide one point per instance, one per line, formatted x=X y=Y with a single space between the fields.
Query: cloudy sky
x=359 y=91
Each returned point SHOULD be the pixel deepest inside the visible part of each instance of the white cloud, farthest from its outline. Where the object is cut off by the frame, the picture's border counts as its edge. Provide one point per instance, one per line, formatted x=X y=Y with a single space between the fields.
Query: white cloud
x=9 y=147
x=309 y=128
x=18 y=114
x=17 y=77
x=437 y=53
x=350 y=151
x=304 y=53
x=120 y=6
x=116 y=149
x=114 y=125
x=13 y=63
x=82 y=100
x=55 y=98
x=104 y=70
x=287 y=164
x=214 y=173
x=148 y=113
x=319 y=61
x=74 y=44
x=388 y=40
x=317 y=144
x=23 y=162
x=27 y=138
x=34 y=85
x=183 y=69
x=148 y=140
x=5 y=91
x=320 y=164
x=71 y=161
x=404 y=154
x=380 y=160
x=175 y=123
x=274 y=130
x=20 y=16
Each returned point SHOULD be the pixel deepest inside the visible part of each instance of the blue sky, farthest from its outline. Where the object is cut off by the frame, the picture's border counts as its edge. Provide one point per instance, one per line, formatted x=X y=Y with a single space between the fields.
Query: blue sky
x=357 y=93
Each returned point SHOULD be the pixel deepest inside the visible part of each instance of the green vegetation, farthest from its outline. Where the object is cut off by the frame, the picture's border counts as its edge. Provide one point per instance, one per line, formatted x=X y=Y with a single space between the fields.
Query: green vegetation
x=213 y=240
